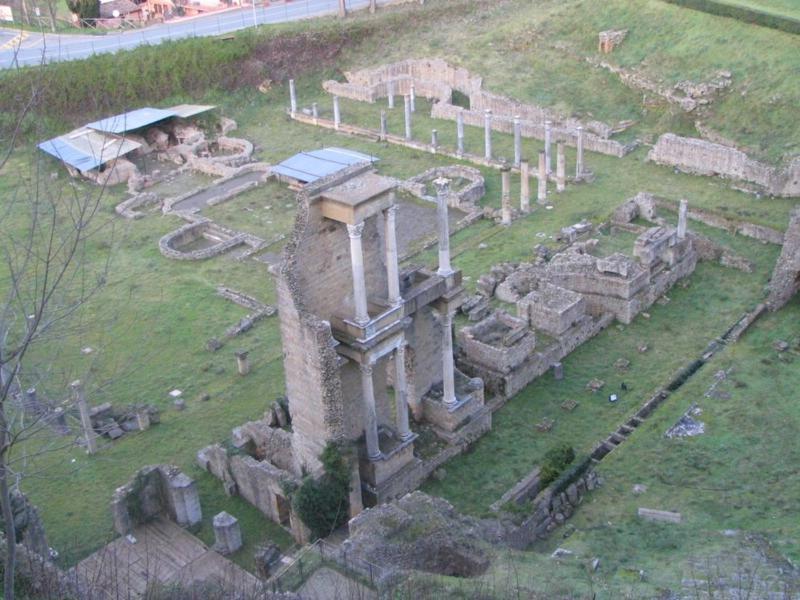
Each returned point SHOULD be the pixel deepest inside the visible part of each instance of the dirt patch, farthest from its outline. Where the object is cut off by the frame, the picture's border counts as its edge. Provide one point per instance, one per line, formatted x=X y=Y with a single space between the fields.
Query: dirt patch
x=292 y=55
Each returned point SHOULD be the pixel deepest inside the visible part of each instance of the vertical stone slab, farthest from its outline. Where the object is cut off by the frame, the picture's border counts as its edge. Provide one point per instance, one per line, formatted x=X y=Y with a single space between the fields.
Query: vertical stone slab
x=184 y=500
x=460 y=132
x=292 y=98
x=143 y=420
x=547 y=140
x=315 y=112
x=579 y=159
x=505 y=195
x=242 y=362
x=524 y=186
x=541 y=196
x=336 y=114
x=227 y=533
x=517 y=141
x=682 y=210
x=561 y=168
x=407 y=114
x=487 y=134
x=434 y=140
x=384 y=125
x=412 y=95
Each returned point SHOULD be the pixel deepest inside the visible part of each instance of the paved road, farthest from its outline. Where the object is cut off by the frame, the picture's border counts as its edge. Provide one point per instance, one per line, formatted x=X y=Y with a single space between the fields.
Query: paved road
x=33 y=48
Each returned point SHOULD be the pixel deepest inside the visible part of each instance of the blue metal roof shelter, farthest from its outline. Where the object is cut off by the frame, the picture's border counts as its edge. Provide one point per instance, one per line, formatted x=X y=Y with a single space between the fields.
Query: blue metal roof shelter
x=310 y=166
x=134 y=119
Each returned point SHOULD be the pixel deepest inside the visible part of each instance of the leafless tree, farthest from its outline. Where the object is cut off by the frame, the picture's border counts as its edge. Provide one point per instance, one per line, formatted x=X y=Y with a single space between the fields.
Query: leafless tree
x=47 y=274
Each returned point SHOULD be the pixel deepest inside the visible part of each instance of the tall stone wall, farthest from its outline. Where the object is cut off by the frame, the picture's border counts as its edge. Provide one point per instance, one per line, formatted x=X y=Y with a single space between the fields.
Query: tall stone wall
x=785 y=281
x=701 y=157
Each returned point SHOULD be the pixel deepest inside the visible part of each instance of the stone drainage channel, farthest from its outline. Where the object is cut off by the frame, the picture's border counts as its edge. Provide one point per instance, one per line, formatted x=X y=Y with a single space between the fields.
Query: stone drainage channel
x=730 y=336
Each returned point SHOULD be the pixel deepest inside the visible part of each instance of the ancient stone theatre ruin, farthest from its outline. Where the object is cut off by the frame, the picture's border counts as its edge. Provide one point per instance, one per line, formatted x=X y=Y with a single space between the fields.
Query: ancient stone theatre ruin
x=366 y=346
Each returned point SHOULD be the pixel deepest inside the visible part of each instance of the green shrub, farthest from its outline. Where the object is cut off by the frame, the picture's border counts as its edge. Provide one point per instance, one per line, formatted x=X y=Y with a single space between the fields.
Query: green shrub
x=323 y=504
x=554 y=462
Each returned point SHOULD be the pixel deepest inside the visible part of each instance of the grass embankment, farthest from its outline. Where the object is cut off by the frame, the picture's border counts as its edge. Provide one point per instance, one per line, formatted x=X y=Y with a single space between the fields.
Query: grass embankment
x=776 y=14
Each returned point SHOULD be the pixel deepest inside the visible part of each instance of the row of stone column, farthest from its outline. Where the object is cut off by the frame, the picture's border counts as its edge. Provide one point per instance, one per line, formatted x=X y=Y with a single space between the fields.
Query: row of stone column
x=409 y=108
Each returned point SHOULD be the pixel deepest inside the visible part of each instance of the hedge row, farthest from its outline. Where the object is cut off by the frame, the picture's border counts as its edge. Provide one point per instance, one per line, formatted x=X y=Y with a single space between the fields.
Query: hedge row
x=742 y=13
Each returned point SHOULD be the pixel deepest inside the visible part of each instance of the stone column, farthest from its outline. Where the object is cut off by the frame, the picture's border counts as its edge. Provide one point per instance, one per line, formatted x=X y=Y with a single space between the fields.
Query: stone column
x=487 y=134
x=412 y=95
x=579 y=159
x=434 y=140
x=541 y=196
x=372 y=6
x=524 y=186
x=336 y=114
x=407 y=113
x=390 y=238
x=79 y=397
x=460 y=132
x=448 y=374
x=561 y=168
x=227 y=533
x=370 y=417
x=442 y=191
x=357 y=265
x=184 y=500
x=682 y=214
x=505 y=195
x=547 y=135
x=292 y=98
x=401 y=392
x=517 y=141
x=314 y=112
x=342 y=9
x=384 y=125
x=242 y=362
x=143 y=419
x=390 y=93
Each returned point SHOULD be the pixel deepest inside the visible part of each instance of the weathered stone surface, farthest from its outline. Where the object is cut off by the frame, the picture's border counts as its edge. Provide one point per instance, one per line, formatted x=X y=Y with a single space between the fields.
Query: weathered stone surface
x=420 y=532
x=664 y=516
x=785 y=282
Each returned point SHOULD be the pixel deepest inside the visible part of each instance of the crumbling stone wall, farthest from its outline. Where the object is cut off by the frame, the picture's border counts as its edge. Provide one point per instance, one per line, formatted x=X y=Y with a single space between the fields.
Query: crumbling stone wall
x=154 y=491
x=701 y=157
x=785 y=282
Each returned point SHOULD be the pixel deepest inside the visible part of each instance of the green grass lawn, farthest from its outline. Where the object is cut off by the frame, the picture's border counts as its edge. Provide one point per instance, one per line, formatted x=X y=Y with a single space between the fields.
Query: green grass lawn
x=786 y=8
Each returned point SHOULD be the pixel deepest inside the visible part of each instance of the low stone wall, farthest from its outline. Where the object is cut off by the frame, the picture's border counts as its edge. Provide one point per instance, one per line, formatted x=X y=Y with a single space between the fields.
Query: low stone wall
x=466 y=199
x=551 y=508
x=169 y=245
x=701 y=157
x=128 y=208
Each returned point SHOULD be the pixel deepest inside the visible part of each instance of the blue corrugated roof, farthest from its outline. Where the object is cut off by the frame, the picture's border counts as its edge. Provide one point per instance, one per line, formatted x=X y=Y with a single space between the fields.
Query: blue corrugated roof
x=71 y=155
x=131 y=120
x=310 y=166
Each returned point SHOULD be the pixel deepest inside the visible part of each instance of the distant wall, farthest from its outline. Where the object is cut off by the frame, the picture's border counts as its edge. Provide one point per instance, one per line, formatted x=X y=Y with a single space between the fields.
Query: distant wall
x=701 y=157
